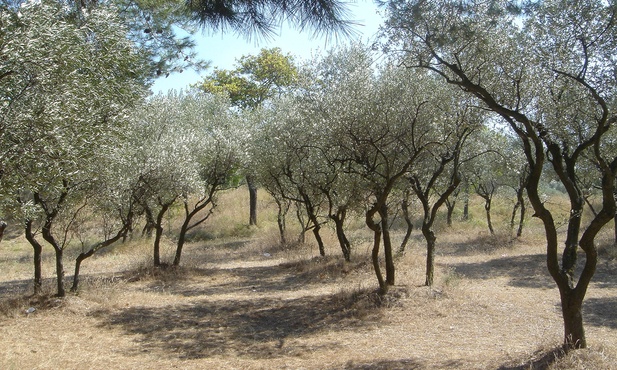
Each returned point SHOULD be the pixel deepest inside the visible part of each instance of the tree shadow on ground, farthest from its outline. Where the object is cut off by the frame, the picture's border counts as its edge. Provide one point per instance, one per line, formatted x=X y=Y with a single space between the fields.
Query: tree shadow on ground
x=402 y=364
x=601 y=311
x=542 y=360
x=529 y=271
x=526 y=271
x=256 y=328
x=482 y=243
x=268 y=277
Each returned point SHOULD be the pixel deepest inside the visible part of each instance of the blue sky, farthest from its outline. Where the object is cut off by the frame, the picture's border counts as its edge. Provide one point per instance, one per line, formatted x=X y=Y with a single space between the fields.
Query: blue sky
x=222 y=49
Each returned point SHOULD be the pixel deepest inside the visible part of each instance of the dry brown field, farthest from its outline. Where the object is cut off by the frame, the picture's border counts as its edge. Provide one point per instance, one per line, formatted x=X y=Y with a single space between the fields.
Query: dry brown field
x=240 y=301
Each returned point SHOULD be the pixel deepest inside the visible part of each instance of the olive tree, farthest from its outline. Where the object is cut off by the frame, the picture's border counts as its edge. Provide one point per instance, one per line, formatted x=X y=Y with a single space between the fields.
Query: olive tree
x=436 y=174
x=375 y=137
x=65 y=92
x=256 y=80
x=547 y=70
x=182 y=149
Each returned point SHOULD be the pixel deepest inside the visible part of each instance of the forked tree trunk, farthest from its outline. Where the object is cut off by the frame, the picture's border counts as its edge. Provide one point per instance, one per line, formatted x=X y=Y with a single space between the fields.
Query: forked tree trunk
x=387 y=244
x=383 y=287
x=158 y=235
x=487 y=208
x=37 y=258
x=320 y=245
x=121 y=234
x=312 y=216
x=339 y=220
x=303 y=224
x=190 y=215
x=407 y=218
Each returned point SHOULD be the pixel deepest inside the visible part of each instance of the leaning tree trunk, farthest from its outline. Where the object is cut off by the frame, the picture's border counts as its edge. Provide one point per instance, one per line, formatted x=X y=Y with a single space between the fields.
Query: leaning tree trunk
x=383 y=287
x=303 y=224
x=407 y=218
x=521 y=220
x=121 y=234
x=312 y=216
x=339 y=220
x=78 y=261
x=487 y=207
x=387 y=244
x=38 y=251
x=190 y=215
x=320 y=245
x=514 y=212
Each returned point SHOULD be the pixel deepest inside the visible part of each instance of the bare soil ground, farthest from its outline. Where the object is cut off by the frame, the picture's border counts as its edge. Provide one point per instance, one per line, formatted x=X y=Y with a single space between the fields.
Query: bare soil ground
x=240 y=304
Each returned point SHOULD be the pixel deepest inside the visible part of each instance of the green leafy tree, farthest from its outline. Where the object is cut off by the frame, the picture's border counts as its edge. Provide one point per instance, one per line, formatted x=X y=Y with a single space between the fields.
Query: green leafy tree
x=436 y=174
x=65 y=92
x=262 y=18
x=181 y=149
x=548 y=71
x=375 y=138
x=255 y=80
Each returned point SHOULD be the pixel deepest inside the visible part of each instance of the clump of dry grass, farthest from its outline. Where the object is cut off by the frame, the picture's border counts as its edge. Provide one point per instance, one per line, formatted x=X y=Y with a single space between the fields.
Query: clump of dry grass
x=29 y=305
x=556 y=358
x=583 y=359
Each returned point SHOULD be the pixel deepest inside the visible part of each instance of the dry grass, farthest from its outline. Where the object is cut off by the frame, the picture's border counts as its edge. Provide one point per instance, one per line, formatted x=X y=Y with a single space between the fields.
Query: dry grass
x=242 y=301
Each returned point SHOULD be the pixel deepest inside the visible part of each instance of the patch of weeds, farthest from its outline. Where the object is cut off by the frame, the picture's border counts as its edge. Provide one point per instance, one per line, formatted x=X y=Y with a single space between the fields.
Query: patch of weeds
x=608 y=250
x=451 y=278
x=556 y=358
x=29 y=305
x=322 y=268
x=589 y=358
x=164 y=272
x=362 y=303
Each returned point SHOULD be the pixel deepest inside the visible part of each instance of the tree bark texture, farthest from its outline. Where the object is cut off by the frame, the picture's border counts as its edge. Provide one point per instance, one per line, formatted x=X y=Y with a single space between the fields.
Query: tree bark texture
x=387 y=244
x=339 y=219
x=38 y=251
x=429 y=235
x=250 y=182
x=158 y=235
x=487 y=208
x=60 y=272
x=407 y=218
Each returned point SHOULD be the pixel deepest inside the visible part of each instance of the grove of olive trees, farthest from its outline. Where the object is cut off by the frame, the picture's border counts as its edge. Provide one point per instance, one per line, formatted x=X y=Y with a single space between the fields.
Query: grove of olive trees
x=547 y=69
x=462 y=97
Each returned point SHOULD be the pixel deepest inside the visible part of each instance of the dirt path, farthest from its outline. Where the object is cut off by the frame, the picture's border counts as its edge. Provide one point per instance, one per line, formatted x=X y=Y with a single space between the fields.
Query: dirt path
x=244 y=309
